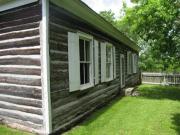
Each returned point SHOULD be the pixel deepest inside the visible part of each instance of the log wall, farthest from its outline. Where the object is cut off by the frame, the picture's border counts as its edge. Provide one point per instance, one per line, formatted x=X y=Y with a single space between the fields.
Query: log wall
x=20 y=68
x=69 y=107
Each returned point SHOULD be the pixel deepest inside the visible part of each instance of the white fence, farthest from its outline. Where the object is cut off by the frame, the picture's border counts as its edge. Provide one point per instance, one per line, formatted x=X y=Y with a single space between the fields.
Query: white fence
x=160 y=78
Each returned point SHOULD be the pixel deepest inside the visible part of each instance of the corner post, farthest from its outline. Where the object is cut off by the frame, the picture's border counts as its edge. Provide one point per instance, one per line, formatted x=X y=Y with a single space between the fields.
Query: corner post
x=46 y=98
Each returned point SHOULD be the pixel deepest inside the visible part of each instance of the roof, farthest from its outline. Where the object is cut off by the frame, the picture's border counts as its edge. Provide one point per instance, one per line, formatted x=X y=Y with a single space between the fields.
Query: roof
x=81 y=10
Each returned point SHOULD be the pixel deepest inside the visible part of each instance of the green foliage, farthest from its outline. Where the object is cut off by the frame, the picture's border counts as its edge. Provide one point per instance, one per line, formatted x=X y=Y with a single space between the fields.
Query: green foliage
x=108 y=16
x=154 y=24
x=4 y=130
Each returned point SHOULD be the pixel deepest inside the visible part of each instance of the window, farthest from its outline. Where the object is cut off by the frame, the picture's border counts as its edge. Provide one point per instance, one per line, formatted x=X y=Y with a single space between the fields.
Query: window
x=80 y=60
x=109 y=62
x=85 y=61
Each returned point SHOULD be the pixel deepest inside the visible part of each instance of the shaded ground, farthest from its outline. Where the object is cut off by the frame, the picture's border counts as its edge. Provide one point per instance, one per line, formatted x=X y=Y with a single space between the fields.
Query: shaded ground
x=155 y=112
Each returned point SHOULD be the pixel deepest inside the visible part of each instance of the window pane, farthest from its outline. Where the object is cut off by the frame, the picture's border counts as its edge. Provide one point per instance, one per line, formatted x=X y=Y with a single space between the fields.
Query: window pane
x=87 y=73
x=81 y=49
x=108 y=53
x=84 y=47
x=108 y=70
x=82 y=73
x=87 y=45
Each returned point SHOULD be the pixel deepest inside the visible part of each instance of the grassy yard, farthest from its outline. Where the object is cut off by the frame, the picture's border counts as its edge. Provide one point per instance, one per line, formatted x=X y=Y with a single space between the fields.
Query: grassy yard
x=155 y=112
x=4 y=130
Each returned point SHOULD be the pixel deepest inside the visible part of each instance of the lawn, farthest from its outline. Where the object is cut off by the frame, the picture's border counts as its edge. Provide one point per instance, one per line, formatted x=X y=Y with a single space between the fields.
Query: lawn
x=4 y=130
x=155 y=112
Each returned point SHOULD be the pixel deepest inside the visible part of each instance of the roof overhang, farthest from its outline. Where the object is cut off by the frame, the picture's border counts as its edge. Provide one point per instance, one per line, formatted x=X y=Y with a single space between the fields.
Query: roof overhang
x=9 y=4
x=81 y=10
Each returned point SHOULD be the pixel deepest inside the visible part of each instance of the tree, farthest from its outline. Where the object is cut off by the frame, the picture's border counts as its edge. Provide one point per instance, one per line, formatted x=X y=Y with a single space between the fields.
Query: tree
x=154 y=24
x=109 y=16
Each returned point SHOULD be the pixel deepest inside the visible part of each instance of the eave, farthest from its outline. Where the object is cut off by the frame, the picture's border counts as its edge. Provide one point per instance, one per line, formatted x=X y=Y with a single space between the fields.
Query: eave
x=81 y=10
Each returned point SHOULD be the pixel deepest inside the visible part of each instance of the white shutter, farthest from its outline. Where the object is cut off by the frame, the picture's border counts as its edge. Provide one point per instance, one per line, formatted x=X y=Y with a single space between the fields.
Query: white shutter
x=128 y=62
x=74 y=63
x=131 y=63
x=134 y=62
x=103 y=62
x=114 y=57
x=96 y=61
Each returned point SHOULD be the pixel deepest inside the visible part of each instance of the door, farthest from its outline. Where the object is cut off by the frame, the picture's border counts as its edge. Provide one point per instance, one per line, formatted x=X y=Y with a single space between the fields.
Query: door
x=122 y=70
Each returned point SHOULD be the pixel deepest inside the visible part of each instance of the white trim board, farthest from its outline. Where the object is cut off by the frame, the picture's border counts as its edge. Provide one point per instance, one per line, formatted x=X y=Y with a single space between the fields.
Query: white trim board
x=6 y=5
x=46 y=67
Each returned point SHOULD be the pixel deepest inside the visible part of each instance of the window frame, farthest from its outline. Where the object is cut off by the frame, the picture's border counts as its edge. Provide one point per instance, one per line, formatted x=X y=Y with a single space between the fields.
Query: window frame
x=89 y=38
x=112 y=63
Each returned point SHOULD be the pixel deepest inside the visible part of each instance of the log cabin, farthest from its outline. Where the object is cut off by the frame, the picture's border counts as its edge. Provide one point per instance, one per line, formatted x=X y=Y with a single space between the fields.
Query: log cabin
x=59 y=61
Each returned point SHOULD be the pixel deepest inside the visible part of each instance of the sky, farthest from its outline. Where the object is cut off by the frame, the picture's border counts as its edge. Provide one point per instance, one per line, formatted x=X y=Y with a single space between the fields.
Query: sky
x=101 y=5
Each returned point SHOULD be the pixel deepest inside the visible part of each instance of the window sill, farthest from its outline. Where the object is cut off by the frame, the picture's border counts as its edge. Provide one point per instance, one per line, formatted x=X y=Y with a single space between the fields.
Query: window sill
x=86 y=86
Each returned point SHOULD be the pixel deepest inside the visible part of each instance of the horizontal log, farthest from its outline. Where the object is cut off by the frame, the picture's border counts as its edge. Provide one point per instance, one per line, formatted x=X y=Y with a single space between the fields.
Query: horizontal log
x=58 y=55
x=29 y=19
x=22 y=116
x=21 y=51
x=58 y=46
x=54 y=42
x=19 y=34
x=20 y=27
x=30 y=80
x=59 y=85
x=21 y=100
x=20 y=60
x=57 y=28
x=21 y=90
x=22 y=125
x=22 y=108
x=20 y=13
x=60 y=35
x=20 y=69
x=22 y=42
x=55 y=76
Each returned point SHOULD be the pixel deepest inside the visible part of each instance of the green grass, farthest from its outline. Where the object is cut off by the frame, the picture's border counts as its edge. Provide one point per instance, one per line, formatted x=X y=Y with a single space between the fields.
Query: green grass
x=4 y=130
x=155 y=112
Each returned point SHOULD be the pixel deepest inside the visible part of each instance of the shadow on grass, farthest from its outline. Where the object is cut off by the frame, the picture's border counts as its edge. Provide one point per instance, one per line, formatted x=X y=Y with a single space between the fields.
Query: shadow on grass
x=159 y=92
x=176 y=122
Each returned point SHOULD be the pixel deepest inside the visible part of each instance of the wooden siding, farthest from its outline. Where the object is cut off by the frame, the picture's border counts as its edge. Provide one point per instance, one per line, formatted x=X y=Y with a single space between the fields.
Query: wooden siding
x=70 y=107
x=20 y=68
